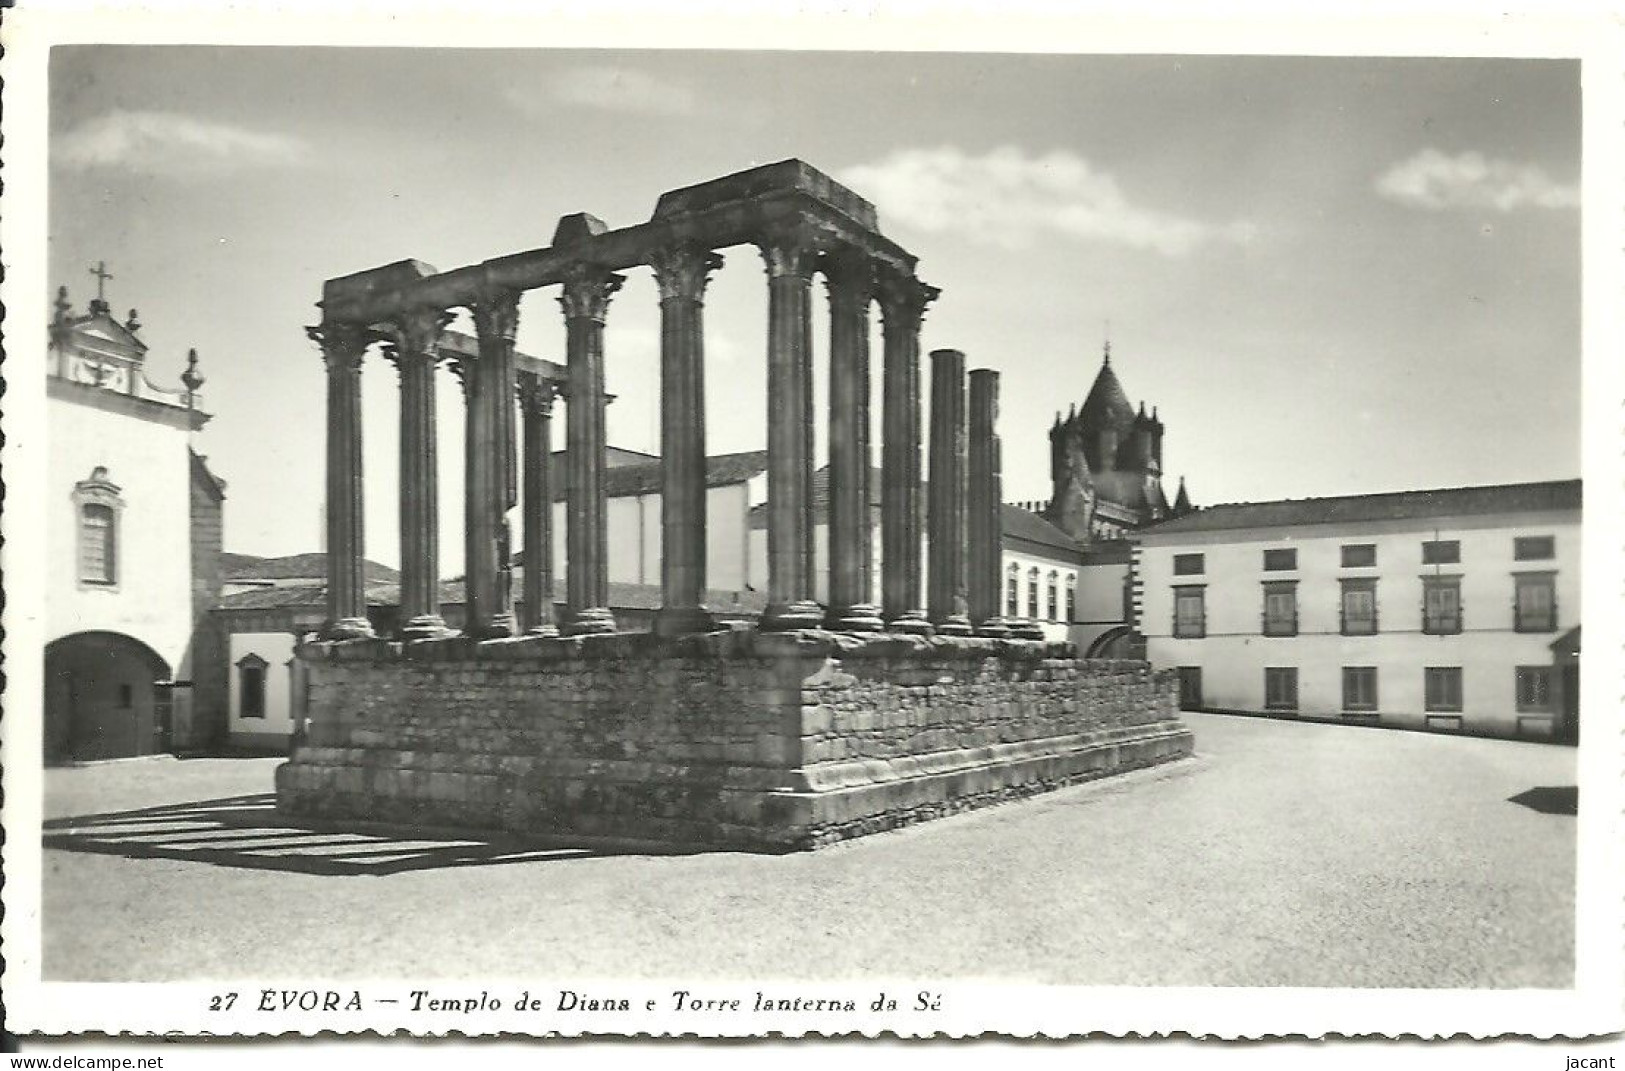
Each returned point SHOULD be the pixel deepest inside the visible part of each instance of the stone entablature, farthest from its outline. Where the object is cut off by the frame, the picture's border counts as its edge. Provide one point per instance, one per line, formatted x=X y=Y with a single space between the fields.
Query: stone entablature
x=744 y=739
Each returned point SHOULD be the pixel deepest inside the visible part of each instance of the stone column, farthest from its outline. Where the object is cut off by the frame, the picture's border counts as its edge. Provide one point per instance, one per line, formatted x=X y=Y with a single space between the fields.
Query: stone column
x=851 y=287
x=343 y=346
x=947 y=602
x=984 y=527
x=681 y=273
x=488 y=388
x=536 y=399
x=902 y=306
x=791 y=260
x=415 y=353
x=585 y=300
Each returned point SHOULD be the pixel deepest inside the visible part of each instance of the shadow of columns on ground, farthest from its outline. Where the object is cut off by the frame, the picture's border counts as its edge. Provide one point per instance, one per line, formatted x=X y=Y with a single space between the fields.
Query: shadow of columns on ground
x=246 y=832
x=1550 y=799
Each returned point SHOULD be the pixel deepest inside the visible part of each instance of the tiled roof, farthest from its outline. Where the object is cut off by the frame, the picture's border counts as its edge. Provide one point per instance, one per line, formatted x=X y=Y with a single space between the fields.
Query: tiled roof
x=292 y=567
x=274 y=598
x=1392 y=505
x=1028 y=527
x=644 y=477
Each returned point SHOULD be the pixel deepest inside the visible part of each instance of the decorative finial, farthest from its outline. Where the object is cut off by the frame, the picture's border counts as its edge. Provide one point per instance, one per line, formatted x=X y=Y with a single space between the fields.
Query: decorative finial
x=1108 y=349
x=62 y=304
x=102 y=275
x=133 y=324
x=190 y=377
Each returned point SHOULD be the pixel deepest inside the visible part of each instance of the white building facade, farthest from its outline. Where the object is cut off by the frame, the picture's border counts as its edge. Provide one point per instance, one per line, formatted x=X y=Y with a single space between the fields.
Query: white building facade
x=1447 y=610
x=132 y=524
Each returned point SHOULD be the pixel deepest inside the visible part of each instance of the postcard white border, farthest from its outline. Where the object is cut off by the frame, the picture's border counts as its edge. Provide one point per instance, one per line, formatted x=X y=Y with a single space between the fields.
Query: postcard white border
x=1588 y=32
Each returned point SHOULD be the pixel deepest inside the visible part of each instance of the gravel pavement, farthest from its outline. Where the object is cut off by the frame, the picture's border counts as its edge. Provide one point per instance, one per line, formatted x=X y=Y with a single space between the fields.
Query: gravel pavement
x=1284 y=854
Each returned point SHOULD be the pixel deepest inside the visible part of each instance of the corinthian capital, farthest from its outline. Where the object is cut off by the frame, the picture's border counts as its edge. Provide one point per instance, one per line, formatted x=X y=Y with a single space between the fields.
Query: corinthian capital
x=416 y=333
x=850 y=278
x=496 y=313
x=343 y=344
x=536 y=393
x=791 y=252
x=587 y=290
x=682 y=271
x=903 y=299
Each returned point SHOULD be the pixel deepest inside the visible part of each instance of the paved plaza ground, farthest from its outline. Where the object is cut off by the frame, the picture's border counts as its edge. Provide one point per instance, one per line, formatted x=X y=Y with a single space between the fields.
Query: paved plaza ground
x=1283 y=854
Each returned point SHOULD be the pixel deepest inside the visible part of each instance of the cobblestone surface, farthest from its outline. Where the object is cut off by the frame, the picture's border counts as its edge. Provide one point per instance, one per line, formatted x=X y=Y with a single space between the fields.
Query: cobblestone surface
x=1284 y=854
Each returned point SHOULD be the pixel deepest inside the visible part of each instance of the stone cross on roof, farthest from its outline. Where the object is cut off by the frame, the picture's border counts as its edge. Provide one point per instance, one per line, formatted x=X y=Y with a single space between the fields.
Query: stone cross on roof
x=102 y=275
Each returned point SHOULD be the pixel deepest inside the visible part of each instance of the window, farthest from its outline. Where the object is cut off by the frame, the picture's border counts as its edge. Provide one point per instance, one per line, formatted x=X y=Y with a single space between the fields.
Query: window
x=1189 y=564
x=1278 y=560
x=96 y=544
x=126 y=697
x=1442 y=688
x=1534 y=689
x=1535 y=602
x=1190 y=613
x=1032 y=593
x=1012 y=591
x=1359 y=607
x=1441 y=605
x=1534 y=548
x=1072 y=597
x=1360 y=688
x=1281 y=688
x=1441 y=551
x=1053 y=587
x=97 y=501
x=251 y=686
x=1359 y=555
x=1281 y=608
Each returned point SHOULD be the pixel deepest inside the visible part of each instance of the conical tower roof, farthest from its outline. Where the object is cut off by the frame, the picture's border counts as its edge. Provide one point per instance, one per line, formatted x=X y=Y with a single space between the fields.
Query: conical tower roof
x=1182 y=502
x=1107 y=401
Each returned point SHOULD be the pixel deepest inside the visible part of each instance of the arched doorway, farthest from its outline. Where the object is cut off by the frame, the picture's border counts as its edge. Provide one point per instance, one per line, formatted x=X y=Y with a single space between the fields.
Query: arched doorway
x=1120 y=642
x=106 y=697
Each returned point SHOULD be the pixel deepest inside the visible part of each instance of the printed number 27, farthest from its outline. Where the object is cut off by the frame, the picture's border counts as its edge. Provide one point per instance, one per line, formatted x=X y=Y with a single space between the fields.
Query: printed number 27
x=222 y=1003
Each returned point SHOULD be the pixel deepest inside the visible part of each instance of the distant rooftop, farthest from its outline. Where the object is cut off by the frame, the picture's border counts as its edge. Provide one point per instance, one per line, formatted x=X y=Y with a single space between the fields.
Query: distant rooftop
x=293 y=567
x=632 y=477
x=1552 y=495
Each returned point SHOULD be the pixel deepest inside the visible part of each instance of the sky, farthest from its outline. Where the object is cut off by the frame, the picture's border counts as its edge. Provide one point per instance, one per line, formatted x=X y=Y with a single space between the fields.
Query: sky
x=1330 y=276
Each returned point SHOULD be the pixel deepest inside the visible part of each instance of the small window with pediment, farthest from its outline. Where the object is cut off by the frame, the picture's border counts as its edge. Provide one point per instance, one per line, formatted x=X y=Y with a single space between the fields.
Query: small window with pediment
x=98 y=503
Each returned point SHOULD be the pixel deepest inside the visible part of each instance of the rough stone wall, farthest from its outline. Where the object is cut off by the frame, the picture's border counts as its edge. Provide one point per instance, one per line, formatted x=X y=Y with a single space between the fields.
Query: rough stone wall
x=737 y=738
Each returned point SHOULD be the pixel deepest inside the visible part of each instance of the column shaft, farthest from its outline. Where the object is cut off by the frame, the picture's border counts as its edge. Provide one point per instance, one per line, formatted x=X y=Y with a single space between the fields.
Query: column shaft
x=984 y=490
x=415 y=354
x=790 y=264
x=681 y=273
x=902 y=303
x=945 y=519
x=488 y=387
x=851 y=605
x=343 y=346
x=585 y=300
x=536 y=397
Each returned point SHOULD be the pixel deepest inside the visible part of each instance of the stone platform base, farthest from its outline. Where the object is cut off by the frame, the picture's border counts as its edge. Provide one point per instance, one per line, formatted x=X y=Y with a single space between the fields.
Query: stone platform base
x=744 y=740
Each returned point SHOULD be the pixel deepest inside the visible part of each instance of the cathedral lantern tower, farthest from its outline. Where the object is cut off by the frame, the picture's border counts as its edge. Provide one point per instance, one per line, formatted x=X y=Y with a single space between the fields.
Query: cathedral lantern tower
x=1108 y=454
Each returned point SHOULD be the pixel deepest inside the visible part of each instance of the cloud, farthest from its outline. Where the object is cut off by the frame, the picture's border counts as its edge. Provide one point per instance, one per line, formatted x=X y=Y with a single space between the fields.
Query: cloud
x=168 y=143
x=608 y=88
x=1008 y=198
x=1433 y=180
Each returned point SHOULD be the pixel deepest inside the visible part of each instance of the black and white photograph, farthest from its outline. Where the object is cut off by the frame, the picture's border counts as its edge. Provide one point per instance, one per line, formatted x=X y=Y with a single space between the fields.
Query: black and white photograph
x=663 y=530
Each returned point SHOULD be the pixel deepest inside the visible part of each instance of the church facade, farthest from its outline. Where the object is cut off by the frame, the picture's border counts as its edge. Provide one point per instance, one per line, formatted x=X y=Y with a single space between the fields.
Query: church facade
x=132 y=521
